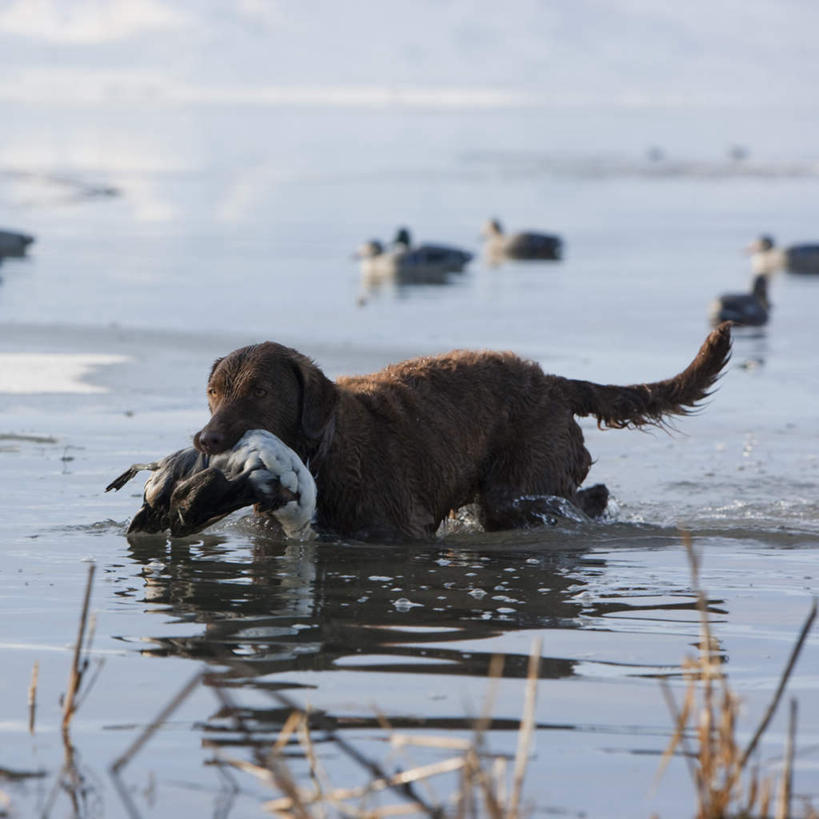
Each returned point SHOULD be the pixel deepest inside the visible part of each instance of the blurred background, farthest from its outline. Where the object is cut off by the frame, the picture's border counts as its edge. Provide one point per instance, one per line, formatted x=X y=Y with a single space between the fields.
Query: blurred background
x=202 y=175
x=167 y=154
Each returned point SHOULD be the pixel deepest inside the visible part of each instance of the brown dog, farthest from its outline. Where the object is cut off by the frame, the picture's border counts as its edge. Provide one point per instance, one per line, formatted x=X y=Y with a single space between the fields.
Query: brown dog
x=393 y=452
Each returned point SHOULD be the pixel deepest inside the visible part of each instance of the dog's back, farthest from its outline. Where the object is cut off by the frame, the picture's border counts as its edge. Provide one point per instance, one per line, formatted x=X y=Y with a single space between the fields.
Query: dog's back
x=394 y=451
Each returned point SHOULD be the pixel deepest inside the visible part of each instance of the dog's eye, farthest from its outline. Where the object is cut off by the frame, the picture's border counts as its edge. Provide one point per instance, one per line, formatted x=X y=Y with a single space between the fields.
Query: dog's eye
x=212 y=392
x=259 y=392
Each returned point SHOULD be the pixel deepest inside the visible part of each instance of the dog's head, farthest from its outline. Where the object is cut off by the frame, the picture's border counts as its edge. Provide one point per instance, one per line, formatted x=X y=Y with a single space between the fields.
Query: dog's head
x=267 y=386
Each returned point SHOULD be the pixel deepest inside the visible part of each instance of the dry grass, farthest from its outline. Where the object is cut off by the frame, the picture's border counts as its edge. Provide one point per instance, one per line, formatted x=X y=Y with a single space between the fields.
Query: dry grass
x=32 y=697
x=71 y=779
x=705 y=732
x=725 y=782
x=485 y=786
x=80 y=662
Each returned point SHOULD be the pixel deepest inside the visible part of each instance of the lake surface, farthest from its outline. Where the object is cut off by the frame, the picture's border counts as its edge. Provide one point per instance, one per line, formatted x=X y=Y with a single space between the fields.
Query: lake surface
x=168 y=236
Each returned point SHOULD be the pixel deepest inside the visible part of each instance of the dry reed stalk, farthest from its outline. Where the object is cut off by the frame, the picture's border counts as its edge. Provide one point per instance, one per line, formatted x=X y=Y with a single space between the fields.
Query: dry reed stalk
x=32 y=696
x=374 y=768
x=399 y=741
x=310 y=754
x=341 y=794
x=296 y=799
x=784 y=808
x=259 y=771
x=475 y=778
x=75 y=677
x=719 y=764
x=472 y=764
x=156 y=723
x=499 y=773
x=765 y=797
x=527 y=724
x=680 y=719
x=291 y=725
x=783 y=680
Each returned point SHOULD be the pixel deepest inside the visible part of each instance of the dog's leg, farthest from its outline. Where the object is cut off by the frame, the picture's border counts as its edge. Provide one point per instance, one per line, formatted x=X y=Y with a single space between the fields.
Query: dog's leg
x=533 y=478
x=593 y=501
x=512 y=510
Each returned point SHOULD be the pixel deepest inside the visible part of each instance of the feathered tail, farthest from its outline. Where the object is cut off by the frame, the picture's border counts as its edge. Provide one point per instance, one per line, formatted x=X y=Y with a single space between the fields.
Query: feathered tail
x=647 y=404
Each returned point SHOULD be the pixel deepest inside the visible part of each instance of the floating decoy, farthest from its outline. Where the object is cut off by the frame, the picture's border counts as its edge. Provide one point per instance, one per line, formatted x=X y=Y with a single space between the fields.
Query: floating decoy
x=528 y=245
x=13 y=243
x=452 y=258
x=402 y=265
x=766 y=257
x=750 y=309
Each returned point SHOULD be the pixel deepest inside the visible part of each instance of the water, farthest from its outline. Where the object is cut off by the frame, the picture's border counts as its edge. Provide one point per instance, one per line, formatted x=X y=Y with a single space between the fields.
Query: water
x=231 y=225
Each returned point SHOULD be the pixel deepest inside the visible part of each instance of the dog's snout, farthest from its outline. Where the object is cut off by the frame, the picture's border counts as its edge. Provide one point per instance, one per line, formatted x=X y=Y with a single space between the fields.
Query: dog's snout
x=209 y=441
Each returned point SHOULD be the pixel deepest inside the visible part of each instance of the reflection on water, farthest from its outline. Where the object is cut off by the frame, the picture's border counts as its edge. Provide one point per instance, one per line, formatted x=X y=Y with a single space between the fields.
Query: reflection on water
x=312 y=605
x=377 y=279
x=330 y=607
x=751 y=346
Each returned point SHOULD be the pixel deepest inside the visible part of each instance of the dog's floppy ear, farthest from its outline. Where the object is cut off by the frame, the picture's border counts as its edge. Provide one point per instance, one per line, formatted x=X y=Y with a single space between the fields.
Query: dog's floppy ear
x=319 y=397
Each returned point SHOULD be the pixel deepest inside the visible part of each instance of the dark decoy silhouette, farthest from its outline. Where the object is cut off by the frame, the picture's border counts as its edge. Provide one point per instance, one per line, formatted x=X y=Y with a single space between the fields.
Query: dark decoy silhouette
x=525 y=245
x=767 y=257
x=403 y=264
x=13 y=243
x=453 y=259
x=399 y=265
x=749 y=309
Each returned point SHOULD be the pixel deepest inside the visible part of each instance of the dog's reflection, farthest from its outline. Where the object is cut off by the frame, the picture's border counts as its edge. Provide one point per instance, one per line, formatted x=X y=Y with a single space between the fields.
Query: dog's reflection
x=298 y=606
x=328 y=606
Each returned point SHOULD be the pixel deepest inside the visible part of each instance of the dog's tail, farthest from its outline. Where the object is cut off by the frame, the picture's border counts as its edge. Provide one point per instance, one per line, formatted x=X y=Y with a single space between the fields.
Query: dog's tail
x=648 y=404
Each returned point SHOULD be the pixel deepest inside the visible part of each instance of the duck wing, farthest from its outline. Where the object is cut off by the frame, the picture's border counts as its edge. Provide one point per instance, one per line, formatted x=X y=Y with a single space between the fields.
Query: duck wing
x=802 y=259
x=535 y=246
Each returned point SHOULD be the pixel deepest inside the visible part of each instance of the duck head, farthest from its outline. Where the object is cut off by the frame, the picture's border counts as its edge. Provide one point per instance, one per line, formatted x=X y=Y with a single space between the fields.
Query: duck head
x=369 y=250
x=402 y=237
x=491 y=227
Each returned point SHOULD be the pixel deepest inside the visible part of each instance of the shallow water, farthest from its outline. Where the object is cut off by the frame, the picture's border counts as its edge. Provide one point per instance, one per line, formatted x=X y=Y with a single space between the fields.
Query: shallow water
x=233 y=225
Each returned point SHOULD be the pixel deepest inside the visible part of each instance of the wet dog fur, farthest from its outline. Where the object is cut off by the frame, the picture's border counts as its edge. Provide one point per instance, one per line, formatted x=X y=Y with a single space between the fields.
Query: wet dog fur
x=394 y=451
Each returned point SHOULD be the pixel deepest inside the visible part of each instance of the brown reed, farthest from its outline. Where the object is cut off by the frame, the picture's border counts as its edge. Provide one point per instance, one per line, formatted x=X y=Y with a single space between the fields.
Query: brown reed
x=78 y=665
x=709 y=711
x=483 y=786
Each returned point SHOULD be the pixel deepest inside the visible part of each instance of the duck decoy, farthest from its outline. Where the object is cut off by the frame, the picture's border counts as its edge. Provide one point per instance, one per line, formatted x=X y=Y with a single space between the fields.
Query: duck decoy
x=444 y=256
x=13 y=243
x=526 y=245
x=749 y=309
x=767 y=257
x=401 y=265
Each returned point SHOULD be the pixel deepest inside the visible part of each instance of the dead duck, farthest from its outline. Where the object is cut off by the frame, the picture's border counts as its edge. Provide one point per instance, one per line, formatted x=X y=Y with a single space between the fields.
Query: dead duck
x=13 y=243
x=767 y=257
x=444 y=256
x=189 y=490
x=526 y=245
x=749 y=309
